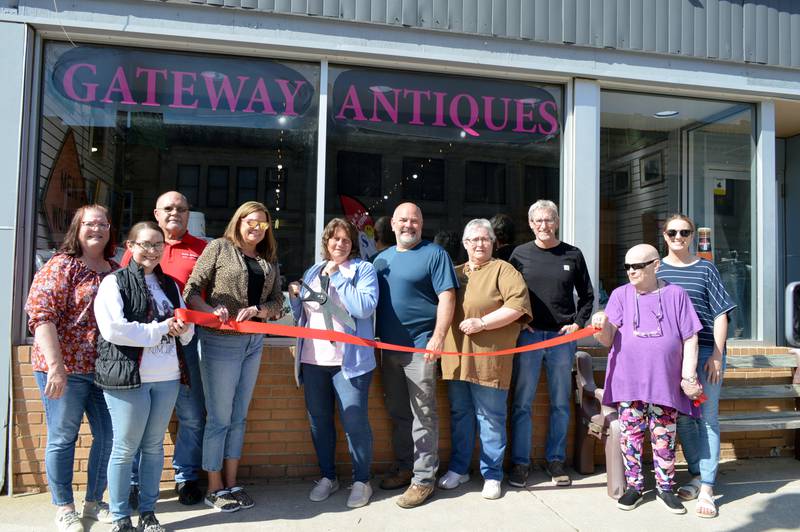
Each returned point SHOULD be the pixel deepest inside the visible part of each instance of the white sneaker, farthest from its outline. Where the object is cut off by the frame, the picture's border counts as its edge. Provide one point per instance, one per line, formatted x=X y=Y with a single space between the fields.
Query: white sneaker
x=452 y=480
x=69 y=521
x=97 y=510
x=360 y=493
x=323 y=489
x=491 y=489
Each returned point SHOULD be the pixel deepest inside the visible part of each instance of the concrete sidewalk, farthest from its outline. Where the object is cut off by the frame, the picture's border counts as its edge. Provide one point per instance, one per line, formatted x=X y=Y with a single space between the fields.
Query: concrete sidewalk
x=757 y=495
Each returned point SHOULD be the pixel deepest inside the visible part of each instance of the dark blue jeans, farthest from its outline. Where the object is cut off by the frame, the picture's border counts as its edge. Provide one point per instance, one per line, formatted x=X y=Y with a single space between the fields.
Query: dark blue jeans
x=64 y=417
x=325 y=387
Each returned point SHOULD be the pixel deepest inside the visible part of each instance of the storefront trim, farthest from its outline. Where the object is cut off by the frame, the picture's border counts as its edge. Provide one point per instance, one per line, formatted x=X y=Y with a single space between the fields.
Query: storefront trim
x=256 y=33
x=322 y=151
x=767 y=234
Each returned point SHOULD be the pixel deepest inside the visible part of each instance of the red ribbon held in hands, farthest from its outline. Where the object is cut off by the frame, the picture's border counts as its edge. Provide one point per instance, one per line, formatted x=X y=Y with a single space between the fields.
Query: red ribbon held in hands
x=206 y=319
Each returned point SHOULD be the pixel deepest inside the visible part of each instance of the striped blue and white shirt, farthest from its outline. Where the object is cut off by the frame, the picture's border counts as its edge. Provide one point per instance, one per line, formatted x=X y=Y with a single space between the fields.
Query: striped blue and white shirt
x=702 y=282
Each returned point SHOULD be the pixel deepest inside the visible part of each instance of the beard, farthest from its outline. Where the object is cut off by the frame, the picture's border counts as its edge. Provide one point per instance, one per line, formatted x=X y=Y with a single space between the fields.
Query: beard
x=408 y=239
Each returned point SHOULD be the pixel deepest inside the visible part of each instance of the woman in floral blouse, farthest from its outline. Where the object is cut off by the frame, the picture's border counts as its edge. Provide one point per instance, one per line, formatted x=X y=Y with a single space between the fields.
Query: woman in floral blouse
x=61 y=319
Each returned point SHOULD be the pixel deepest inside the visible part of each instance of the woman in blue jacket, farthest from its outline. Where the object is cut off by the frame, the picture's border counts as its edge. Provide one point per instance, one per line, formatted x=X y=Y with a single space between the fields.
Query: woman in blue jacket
x=340 y=293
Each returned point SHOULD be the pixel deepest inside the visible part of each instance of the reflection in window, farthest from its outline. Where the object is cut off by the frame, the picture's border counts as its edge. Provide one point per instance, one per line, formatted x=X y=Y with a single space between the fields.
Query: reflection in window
x=217 y=186
x=485 y=182
x=189 y=182
x=541 y=182
x=210 y=143
x=423 y=179
x=246 y=184
x=359 y=173
x=462 y=137
x=657 y=152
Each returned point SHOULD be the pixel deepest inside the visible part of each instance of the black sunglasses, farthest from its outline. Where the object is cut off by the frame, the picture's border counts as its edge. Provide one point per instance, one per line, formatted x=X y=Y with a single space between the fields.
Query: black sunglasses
x=639 y=265
x=684 y=232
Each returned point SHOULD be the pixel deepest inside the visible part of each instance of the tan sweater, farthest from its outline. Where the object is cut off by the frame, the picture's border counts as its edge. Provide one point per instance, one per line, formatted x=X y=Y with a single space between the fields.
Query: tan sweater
x=496 y=284
x=221 y=273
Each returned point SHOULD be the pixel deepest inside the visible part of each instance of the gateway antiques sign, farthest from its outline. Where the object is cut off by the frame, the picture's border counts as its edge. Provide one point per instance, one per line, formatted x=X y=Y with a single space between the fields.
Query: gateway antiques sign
x=184 y=87
x=444 y=106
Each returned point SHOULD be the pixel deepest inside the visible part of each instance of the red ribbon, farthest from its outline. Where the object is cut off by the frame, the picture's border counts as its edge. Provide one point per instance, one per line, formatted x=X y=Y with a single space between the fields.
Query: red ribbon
x=206 y=319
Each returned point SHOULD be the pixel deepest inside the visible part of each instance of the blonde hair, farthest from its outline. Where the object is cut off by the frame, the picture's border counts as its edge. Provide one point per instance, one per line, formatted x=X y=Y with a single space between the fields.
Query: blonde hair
x=267 y=248
x=682 y=217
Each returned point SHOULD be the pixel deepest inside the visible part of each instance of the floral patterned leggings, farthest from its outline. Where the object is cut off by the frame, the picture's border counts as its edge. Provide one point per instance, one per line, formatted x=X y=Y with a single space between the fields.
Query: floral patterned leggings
x=635 y=417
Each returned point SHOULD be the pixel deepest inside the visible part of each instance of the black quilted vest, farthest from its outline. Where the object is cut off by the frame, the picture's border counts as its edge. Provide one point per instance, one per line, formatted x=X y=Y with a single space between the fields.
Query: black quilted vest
x=117 y=366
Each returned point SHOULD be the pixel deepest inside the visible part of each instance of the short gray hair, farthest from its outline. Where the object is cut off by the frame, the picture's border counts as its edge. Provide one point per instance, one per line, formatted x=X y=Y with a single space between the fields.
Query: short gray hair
x=541 y=205
x=478 y=223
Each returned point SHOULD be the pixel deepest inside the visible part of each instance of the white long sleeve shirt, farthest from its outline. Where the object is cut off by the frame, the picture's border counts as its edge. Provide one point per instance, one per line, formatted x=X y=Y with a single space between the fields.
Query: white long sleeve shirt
x=160 y=356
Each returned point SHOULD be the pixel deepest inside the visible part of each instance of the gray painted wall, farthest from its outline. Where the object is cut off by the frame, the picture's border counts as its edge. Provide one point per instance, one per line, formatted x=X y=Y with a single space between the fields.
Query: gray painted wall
x=744 y=31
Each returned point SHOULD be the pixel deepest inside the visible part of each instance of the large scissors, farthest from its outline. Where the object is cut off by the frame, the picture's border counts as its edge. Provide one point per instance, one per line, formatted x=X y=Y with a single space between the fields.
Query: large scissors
x=328 y=309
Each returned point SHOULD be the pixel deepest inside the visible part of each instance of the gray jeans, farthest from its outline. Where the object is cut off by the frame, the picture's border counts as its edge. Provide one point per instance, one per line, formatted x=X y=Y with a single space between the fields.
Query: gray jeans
x=409 y=384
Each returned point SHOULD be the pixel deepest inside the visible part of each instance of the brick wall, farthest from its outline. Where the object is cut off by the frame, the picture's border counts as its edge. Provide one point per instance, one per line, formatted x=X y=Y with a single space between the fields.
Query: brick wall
x=278 y=443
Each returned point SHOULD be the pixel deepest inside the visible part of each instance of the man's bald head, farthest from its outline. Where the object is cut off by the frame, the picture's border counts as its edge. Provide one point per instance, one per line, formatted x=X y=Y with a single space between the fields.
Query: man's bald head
x=407 y=225
x=643 y=261
x=172 y=214
x=641 y=253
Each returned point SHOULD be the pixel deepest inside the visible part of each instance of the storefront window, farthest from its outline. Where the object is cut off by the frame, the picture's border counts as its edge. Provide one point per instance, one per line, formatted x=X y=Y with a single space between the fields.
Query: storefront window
x=662 y=155
x=459 y=147
x=120 y=126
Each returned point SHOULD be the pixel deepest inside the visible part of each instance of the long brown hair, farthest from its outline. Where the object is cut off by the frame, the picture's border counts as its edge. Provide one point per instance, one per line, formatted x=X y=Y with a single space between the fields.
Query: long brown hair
x=267 y=248
x=352 y=234
x=72 y=245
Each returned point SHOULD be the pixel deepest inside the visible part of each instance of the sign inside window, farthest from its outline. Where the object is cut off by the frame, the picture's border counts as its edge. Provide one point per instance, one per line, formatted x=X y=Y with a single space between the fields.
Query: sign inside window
x=185 y=88
x=444 y=106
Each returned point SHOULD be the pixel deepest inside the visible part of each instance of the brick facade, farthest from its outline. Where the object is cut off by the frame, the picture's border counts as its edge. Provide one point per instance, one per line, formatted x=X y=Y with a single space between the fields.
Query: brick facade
x=278 y=443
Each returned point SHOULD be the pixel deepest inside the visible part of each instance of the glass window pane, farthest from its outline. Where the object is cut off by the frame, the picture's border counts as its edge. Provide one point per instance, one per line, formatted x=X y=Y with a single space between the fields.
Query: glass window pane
x=217 y=186
x=423 y=179
x=460 y=147
x=189 y=182
x=159 y=121
x=246 y=184
x=662 y=155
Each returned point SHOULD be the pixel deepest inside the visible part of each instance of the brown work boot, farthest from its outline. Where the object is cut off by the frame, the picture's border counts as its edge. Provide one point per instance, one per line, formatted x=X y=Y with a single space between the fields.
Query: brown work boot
x=415 y=495
x=396 y=479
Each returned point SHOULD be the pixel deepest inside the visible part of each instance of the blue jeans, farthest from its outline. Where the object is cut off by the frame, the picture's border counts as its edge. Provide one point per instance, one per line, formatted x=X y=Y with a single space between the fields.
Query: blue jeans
x=140 y=416
x=558 y=362
x=700 y=437
x=64 y=418
x=470 y=402
x=190 y=409
x=324 y=387
x=229 y=365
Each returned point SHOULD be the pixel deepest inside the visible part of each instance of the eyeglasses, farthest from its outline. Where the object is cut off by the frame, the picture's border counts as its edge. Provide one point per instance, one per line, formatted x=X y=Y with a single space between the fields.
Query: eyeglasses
x=659 y=316
x=150 y=246
x=478 y=240
x=255 y=224
x=169 y=209
x=673 y=232
x=96 y=225
x=543 y=221
x=638 y=265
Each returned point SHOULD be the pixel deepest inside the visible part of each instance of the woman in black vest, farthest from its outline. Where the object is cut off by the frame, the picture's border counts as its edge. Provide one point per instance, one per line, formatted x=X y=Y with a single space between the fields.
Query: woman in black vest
x=139 y=367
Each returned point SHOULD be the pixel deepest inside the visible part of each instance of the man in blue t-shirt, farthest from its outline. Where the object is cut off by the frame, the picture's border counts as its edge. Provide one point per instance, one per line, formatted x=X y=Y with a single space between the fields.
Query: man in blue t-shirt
x=415 y=307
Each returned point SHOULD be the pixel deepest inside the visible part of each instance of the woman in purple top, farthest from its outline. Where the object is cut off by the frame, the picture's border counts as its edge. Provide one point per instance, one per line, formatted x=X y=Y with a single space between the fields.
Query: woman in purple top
x=651 y=328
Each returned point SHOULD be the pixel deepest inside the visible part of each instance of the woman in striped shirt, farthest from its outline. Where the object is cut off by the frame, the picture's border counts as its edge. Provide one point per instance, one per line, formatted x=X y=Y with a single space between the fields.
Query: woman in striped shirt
x=701 y=280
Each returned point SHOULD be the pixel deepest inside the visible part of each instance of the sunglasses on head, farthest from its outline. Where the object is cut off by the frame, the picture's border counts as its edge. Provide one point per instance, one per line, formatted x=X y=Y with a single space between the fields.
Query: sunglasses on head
x=639 y=265
x=673 y=232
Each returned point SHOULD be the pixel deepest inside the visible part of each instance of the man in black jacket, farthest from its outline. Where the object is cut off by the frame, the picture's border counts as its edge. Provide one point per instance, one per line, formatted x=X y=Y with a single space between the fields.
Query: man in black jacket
x=553 y=271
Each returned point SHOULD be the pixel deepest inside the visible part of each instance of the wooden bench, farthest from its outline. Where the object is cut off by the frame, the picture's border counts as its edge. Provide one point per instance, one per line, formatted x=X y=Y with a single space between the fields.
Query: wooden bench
x=597 y=422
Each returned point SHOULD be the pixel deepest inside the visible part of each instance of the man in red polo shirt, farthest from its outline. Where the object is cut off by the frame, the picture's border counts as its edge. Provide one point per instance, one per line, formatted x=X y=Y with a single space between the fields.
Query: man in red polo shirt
x=181 y=251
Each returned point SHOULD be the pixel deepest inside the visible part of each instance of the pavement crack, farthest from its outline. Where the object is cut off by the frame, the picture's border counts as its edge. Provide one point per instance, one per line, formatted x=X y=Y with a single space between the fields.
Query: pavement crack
x=554 y=511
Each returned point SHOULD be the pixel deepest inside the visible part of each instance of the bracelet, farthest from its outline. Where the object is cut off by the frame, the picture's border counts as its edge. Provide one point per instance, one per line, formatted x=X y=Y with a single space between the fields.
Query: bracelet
x=483 y=324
